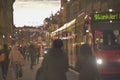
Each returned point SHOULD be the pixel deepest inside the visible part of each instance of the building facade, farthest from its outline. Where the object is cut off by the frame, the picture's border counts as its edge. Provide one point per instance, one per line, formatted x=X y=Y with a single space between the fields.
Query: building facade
x=71 y=9
x=6 y=20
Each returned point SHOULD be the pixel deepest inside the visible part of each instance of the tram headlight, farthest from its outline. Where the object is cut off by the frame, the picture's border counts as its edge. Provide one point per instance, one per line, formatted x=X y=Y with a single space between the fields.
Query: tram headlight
x=45 y=52
x=99 y=61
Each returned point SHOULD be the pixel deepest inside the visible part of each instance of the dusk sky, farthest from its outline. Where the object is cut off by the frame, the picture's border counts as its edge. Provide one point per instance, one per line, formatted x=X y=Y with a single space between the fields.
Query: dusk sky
x=33 y=12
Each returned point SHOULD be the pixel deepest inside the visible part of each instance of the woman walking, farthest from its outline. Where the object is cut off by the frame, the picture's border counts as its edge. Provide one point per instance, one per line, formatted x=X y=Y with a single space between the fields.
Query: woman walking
x=55 y=63
x=5 y=63
x=86 y=64
x=16 y=60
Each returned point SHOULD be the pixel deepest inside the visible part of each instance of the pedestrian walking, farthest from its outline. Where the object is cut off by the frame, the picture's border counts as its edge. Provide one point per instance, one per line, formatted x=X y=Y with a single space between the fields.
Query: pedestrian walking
x=86 y=64
x=37 y=54
x=1 y=78
x=32 y=55
x=5 y=63
x=1 y=55
x=22 y=50
x=27 y=54
x=55 y=63
x=16 y=61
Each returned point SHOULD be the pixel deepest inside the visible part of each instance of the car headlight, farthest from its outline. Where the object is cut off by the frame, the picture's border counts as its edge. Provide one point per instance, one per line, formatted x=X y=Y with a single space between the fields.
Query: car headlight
x=99 y=61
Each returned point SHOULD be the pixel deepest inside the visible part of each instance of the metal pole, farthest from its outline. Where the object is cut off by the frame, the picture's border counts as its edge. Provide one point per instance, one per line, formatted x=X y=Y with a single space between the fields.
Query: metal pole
x=66 y=40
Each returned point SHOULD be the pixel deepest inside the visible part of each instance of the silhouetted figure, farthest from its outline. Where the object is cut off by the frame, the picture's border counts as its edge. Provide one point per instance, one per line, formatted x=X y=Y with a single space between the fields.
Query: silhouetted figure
x=37 y=54
x=27 y=54
x=55 y=63
x=32 y=55
x=86 y=64
x=5 y=64
x=22 y=49
x=0 y=73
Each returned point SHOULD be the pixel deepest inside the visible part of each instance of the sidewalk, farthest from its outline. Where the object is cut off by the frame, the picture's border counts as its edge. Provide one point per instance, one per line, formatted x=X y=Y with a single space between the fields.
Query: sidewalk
x=29 y=74
x=72 y=75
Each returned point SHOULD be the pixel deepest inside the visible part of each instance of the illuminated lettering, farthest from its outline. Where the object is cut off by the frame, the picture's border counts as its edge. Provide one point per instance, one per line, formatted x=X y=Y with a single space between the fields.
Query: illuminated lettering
x=105 y=16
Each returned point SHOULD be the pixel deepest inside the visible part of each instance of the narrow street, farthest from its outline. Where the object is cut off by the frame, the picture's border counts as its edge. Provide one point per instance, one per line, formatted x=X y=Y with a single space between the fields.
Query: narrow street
x=29 y=74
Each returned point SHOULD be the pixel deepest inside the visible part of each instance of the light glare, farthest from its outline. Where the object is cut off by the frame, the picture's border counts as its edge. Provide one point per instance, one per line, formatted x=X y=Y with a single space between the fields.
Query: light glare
x=99 y=61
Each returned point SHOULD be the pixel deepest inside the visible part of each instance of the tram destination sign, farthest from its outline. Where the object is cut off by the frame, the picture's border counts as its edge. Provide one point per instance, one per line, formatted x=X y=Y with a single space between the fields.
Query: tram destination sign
x=105 y=16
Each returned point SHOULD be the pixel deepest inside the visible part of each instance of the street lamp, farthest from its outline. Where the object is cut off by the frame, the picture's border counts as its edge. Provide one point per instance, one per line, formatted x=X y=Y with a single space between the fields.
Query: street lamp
x=10 y=36
x=3 y=41
x=3 y=36
x=62 y=8
x=110 y=10
x=68 y=0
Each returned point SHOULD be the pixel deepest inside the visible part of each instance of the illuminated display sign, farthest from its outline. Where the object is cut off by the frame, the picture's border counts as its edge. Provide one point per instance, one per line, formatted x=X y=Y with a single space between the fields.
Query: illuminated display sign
x=105 y=16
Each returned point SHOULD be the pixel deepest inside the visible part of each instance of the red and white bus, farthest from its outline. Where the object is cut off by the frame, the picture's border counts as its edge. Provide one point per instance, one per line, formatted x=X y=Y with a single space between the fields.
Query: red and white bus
x=101 y=31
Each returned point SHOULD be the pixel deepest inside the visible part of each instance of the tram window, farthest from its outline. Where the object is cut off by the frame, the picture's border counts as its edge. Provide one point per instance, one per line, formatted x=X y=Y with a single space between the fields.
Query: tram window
x=107 y=39
x=117 y=35
x=98 y=39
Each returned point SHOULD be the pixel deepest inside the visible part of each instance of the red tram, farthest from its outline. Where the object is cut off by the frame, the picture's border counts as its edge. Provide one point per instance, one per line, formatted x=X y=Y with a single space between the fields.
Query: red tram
x=101 y=31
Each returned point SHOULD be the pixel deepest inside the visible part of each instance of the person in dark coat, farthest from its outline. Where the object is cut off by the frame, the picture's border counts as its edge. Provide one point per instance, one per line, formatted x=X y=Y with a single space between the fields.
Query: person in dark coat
x=86 y=64
x=0 y=68
x=37 y=52
x=5 y=64
x=32 y=55
x=55 y=63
